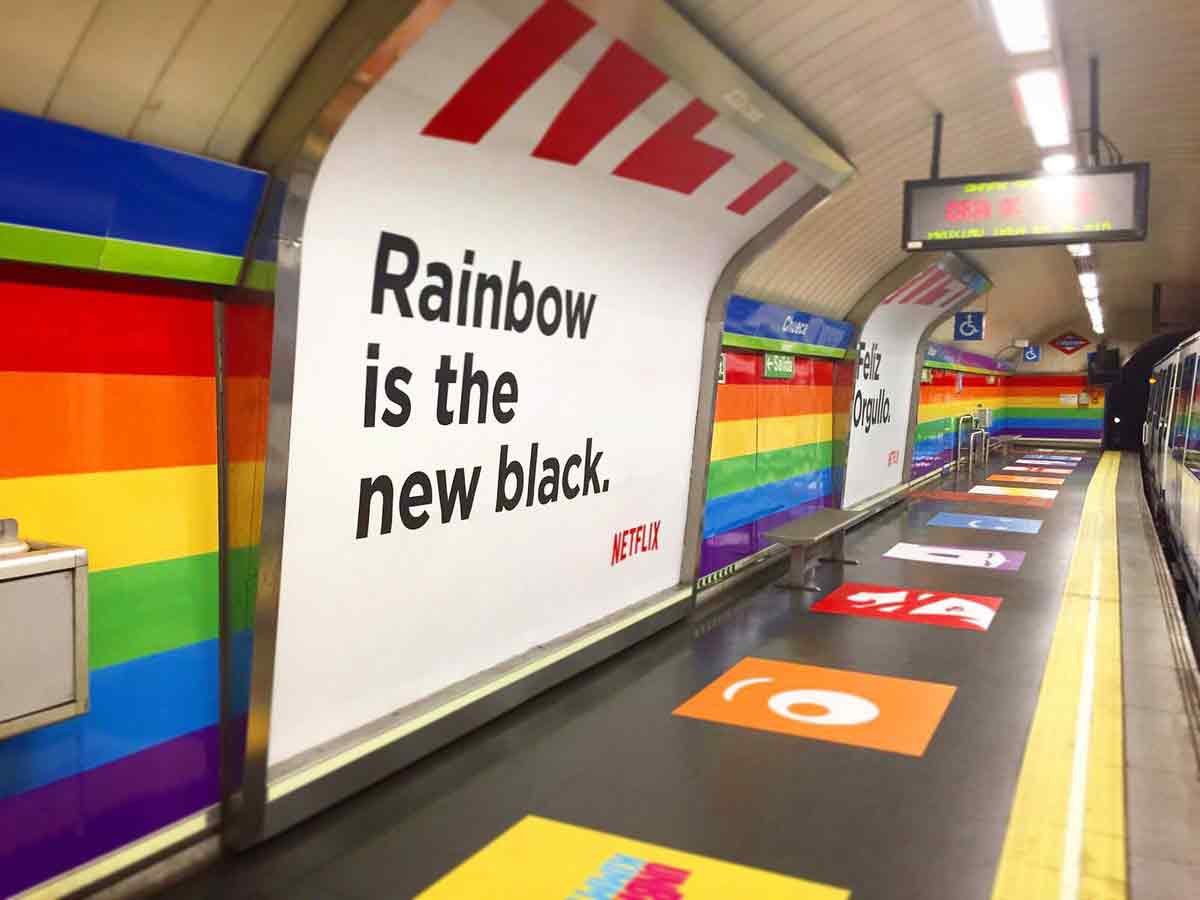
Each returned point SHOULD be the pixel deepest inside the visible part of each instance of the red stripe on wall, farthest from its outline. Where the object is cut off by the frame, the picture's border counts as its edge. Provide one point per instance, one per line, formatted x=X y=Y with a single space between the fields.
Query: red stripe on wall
x=1036 y=381
x=762 y=188
x=509 y=72
x=904 y=293
x=66 y=320
x=672 y=158
x=248 y=330
x=617 y=85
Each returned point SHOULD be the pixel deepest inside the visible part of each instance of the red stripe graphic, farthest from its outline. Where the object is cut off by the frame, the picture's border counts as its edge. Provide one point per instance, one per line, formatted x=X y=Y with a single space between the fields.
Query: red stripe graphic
x=494 y=87
x=672 y=157
x=961 y=291
x=617 y=85
x=762 y=188
x=935 y=291
x=904 y=293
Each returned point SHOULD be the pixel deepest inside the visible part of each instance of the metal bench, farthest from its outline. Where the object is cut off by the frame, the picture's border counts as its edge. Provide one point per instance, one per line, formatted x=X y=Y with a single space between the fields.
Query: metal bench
x=824 y=531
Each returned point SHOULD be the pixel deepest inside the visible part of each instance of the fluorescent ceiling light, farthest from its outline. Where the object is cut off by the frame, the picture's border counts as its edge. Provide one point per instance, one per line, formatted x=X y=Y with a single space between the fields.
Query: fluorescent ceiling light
x=1079 y=250
x=1088 y=281
x=1045 y=103
x=1097 y=317
x=1024 y=25
x=1059 y=163
x=1091 y=293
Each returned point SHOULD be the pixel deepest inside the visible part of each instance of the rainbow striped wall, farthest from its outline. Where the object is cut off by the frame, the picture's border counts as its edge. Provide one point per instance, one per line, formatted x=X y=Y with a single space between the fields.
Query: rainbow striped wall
x=72 y=197
x=108 y=383
x=1036 y=408
x=941 y=404
x=771 y=454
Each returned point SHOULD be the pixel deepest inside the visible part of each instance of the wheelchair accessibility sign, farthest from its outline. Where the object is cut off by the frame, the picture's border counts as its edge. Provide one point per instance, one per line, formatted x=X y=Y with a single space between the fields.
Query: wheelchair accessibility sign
x=968 y=326
x=1032 y=353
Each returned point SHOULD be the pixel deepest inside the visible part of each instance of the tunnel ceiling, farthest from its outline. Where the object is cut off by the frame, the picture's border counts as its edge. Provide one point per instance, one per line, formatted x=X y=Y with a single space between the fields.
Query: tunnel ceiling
x=196 y=75
x=205 y=75
x=869 y=74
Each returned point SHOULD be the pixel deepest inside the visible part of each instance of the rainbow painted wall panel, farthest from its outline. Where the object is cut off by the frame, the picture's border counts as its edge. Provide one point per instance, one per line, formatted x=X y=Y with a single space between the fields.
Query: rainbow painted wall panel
x=107 y=382
x=941 y=403
x=1046 y=406
x=771 y=454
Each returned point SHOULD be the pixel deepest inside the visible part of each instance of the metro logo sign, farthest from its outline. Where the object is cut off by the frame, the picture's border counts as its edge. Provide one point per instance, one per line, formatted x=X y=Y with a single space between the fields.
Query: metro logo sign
x=617 y=85
x=964 y=611
x=1069 y=342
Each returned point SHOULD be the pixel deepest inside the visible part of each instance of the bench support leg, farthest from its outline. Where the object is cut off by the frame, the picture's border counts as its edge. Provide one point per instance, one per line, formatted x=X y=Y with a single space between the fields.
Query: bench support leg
x=838 y=548
x=799 y=576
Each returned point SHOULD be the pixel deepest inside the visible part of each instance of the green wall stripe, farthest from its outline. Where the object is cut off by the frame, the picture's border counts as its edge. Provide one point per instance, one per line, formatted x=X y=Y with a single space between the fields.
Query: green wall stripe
x=739 y=473
x=136 y=258
x=85 y=251
x=139 y=610
x=750 y=342
x=43 y=245
x=260 y=275
x=1062 y=412
x=728 y=476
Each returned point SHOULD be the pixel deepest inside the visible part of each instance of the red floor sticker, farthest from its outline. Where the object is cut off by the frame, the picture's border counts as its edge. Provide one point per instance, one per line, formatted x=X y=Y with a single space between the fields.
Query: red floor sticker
x=966 y=611
x=963 y=497
x=895 y=714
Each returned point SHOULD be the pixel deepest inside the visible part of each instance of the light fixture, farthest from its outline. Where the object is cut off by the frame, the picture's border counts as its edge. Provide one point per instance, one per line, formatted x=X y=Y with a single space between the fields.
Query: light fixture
x=1079 y=251
x=1024 y=25
x=1094 y=313
x=1059 y=163
x=1045 y=103
x=1091 y=293
x=1089 y=282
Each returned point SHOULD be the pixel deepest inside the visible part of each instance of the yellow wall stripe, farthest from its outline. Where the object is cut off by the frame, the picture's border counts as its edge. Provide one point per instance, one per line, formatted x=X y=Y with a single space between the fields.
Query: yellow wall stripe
x=130 y=517
x=740 y=437
x=793 y=431
x=1066 y=832
x=737 y=437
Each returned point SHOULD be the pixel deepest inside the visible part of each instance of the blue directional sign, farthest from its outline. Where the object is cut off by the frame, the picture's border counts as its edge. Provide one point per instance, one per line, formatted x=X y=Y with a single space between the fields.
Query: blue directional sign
x=1032 y=353
x=987 y=523
x=968 y=326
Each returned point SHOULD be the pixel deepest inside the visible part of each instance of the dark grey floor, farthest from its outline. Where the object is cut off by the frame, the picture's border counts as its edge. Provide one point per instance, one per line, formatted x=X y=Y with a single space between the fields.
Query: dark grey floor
x=604 y=751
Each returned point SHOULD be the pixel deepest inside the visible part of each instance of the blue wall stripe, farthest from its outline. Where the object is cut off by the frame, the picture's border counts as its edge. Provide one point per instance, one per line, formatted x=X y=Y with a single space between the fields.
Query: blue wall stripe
x=172 y=694
x=741 y=508
x=1083 y=425
x=70 y=179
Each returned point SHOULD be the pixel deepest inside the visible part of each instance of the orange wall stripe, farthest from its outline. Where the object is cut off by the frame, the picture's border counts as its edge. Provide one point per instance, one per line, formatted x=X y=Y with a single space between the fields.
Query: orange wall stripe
x=66 y=422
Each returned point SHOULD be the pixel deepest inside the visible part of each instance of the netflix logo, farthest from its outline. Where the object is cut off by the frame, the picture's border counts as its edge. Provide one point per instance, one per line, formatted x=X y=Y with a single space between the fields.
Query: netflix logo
x=632 y=541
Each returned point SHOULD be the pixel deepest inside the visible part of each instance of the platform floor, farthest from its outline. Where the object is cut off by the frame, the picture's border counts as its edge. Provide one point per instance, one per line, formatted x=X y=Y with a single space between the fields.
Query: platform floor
x=604 y=751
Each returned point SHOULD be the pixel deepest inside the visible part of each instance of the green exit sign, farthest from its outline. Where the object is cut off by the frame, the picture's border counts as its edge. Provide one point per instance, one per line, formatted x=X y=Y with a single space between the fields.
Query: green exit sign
x=779 y=365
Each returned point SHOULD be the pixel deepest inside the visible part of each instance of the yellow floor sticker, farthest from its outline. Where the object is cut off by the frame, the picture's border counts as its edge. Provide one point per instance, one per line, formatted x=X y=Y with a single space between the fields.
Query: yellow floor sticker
x=539 y=858
x=1066 y=831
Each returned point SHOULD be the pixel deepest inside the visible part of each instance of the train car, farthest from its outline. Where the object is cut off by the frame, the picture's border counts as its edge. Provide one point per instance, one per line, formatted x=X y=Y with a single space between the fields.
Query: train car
x=1171 y=461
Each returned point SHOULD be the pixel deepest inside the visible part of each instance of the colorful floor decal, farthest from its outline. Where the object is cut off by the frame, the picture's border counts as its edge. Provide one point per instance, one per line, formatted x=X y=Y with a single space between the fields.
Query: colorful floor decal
x=971 y=557
x=898 y=715
x=986 y=523
x=1044 y=470
x=1053 y=450
x=873 y=601
x=962 y=497
x=540 y=859
x=1027 y=479
x=1038 y=461
x=992 y=490
x=1065 y=460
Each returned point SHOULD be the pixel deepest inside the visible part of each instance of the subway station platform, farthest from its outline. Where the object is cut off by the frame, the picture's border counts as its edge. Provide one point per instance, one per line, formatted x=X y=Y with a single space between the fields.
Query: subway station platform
x=999 y=718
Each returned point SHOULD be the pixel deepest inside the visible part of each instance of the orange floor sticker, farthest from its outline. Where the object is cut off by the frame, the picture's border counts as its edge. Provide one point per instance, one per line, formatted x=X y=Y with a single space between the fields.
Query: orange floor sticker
x=540 y=859
x=876 y=711
x=1027 y=479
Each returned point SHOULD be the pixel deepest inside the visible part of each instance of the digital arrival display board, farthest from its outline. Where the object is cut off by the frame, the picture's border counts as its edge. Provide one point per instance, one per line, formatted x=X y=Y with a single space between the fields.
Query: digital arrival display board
x=1028 y=209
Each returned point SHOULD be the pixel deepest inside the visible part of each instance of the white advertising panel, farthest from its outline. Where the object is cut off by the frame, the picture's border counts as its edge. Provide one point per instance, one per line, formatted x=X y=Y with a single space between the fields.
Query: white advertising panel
x=507 y=257
x=886 y=369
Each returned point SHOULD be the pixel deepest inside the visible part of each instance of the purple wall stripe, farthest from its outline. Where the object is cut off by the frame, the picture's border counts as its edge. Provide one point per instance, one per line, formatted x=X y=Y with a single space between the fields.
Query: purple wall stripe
x=66 y=823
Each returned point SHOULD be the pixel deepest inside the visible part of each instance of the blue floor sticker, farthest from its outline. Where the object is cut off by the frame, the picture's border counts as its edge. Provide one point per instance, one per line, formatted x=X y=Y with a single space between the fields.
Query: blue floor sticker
x=987 y=523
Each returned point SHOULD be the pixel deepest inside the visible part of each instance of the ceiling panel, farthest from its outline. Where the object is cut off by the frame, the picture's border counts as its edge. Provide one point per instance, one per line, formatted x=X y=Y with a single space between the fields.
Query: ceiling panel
x=196 y=75
x=36 y=43
x=869 y=75
x=127 y=45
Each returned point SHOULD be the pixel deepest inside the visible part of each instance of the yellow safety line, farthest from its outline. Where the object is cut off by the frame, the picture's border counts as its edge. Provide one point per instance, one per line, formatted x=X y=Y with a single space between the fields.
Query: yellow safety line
x=1066 y=832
